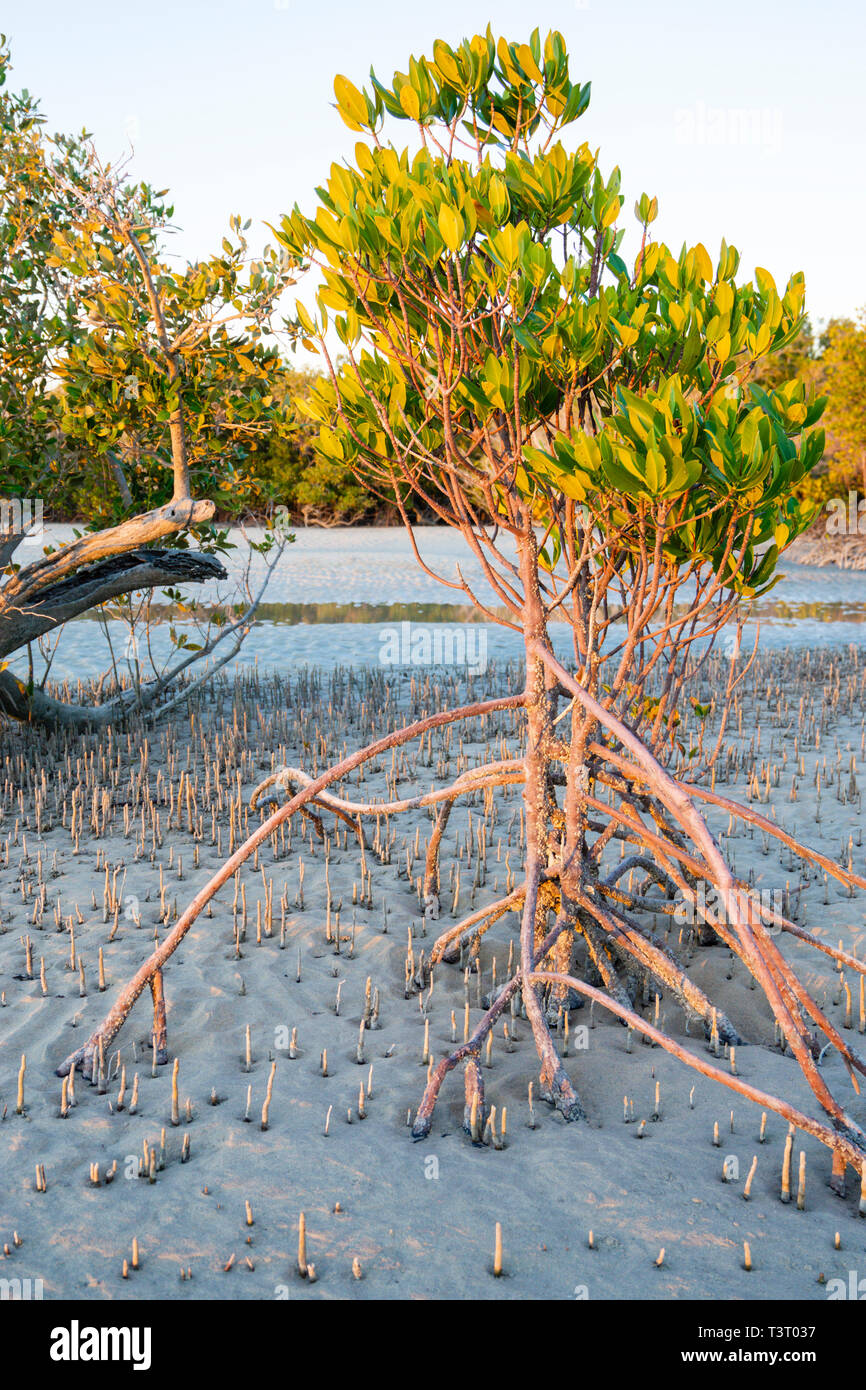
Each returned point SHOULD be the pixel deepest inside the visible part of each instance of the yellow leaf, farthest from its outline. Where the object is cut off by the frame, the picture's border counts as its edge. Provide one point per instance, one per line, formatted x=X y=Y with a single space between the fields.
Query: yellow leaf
x=446 y=62
x=704 y=264
x=627 y=334
x=304 y=319
x=351 y=103
x=524 y=57
x=450 y=227
x=511 y=73
x=364 y=158
x=572 y=486
x=332 y=298
x=409 y=102
x=555 y=102
x=760 y=341
x=328 y=225
x=764 y=279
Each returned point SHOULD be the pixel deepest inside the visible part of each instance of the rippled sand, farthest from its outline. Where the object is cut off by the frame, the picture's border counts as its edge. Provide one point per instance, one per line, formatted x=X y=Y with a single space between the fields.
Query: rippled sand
x=418 y=1217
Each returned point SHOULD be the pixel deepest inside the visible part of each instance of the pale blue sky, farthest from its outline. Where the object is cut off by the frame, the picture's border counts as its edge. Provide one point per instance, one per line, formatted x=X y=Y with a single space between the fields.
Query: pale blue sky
x=745 y=118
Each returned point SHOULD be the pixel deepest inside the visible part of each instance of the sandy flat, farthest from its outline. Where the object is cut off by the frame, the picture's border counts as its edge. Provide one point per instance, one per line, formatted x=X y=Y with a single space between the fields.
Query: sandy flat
x=419 y=1217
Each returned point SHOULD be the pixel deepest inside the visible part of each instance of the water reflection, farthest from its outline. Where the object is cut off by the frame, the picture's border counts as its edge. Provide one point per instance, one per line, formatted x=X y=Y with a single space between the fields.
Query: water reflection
x=336 y=592
x=294 y=614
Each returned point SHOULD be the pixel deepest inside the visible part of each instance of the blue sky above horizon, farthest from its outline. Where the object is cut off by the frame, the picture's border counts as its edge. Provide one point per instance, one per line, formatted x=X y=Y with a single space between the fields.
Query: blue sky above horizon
x=746 y=120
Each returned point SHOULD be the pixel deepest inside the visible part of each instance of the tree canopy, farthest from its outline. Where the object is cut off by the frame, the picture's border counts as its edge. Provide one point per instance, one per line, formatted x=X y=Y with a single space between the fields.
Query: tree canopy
x=113 y=355
x=494 y=336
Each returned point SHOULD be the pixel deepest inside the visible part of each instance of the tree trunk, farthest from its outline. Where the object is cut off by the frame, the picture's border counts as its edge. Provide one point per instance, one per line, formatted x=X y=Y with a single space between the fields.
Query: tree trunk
x=554 y=1082
x=80 y=576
